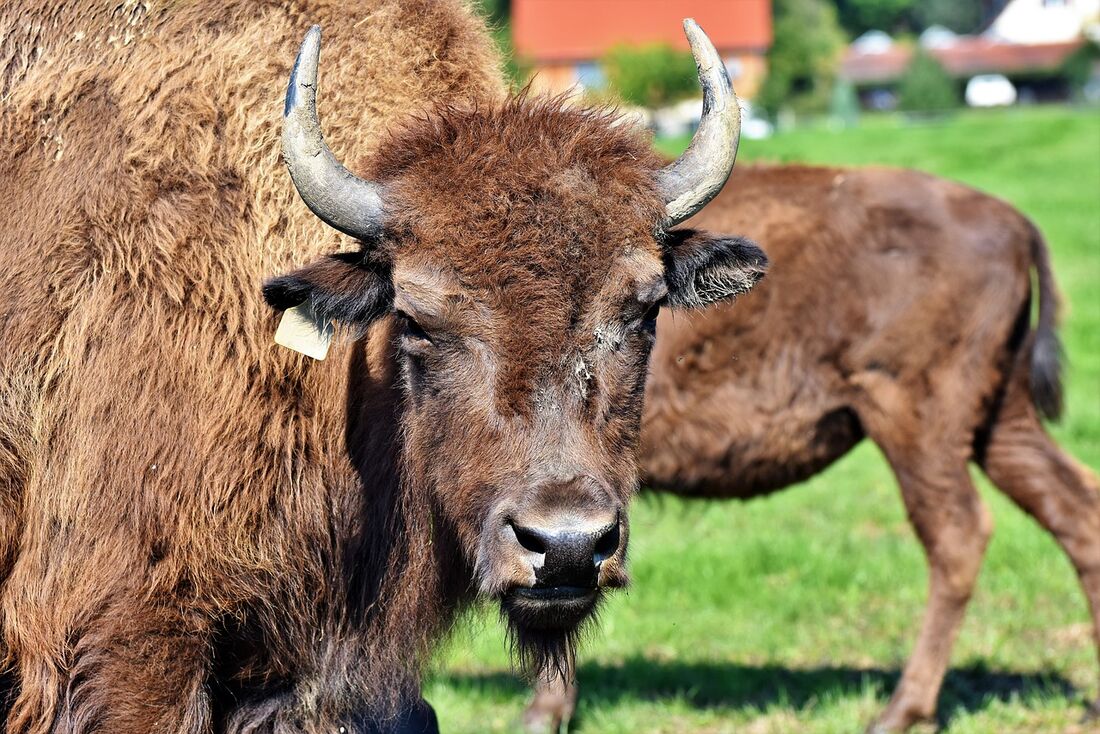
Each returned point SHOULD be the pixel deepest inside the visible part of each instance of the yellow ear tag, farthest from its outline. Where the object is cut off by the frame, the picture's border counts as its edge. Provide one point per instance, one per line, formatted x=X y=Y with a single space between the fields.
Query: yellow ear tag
x=303 y=331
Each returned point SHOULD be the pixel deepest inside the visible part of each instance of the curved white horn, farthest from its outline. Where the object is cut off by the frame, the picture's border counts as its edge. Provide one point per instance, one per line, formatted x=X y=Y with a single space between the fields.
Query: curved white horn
x=697 y=176
x=339 y=198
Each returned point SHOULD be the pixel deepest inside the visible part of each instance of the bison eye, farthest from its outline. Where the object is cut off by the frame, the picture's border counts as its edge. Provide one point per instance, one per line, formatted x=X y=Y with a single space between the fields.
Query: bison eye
x=649 y=320
x=413 y=336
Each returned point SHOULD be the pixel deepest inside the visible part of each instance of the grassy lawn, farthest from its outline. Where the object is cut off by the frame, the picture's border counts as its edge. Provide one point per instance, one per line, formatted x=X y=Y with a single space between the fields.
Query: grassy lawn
x=794 y=613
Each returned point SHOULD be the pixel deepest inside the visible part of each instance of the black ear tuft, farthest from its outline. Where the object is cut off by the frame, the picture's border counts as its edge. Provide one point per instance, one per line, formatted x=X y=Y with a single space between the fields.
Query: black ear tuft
x=343 y=287
x=285 y=291
x=701 y=269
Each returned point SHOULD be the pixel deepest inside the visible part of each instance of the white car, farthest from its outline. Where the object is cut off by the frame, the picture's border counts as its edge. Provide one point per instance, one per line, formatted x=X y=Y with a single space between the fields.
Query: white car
x=683 y=118
x=753 y=125
x=990 y=90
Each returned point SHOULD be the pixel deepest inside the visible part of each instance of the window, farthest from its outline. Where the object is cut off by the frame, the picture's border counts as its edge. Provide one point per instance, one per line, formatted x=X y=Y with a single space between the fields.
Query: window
x=734 y=67
x=590 y=75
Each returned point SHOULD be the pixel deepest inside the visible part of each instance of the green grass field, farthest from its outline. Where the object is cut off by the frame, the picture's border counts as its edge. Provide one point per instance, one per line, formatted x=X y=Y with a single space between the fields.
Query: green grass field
x=794 y=613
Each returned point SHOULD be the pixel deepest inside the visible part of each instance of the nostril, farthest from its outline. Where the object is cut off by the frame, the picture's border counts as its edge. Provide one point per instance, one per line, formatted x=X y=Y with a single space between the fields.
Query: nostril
x=606 y=545
x=529 y=539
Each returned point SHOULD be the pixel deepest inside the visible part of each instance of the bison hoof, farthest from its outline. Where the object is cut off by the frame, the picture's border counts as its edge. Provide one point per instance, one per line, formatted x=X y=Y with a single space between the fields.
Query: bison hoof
x=1092 y=713
x=893 y=722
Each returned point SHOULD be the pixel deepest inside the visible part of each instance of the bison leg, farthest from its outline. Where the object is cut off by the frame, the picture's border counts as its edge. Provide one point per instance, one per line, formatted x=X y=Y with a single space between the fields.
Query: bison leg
x=952 y=524
x=131 y=669
x=1063 y=496
x=552 y=706
x=954 y=527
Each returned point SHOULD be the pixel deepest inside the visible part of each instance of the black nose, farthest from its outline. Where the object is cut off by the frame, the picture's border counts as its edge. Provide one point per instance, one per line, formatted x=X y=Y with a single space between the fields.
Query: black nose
x=569 y=557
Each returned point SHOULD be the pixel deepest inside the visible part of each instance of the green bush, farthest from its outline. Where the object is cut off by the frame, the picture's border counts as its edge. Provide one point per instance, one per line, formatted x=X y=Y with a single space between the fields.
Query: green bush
x=961 y=16
x=652 y=76
x=1077 y=69
x=859 y=16
x=803 y=58
x=926 y=86
x=911 y=16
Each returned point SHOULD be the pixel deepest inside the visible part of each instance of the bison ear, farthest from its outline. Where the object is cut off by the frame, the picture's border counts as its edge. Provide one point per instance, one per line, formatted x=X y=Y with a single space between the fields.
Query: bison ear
x=701 y=268
x=342 y=287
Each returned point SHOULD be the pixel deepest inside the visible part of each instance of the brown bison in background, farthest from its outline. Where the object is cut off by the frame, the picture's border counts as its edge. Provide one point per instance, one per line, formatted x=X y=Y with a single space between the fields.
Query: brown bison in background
x=897 y=307
x=202 y=531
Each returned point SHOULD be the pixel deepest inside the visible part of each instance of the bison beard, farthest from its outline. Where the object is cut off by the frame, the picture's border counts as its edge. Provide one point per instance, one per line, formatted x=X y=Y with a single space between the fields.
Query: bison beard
x=540 y=644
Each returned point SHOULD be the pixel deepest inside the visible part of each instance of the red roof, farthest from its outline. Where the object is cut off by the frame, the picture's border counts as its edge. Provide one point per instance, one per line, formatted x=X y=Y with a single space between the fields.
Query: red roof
x=582 y=30
x=967 y=57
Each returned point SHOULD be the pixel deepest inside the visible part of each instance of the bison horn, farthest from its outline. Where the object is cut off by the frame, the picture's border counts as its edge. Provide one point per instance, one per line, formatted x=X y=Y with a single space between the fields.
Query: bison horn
x=698 y=175
x=342 y=200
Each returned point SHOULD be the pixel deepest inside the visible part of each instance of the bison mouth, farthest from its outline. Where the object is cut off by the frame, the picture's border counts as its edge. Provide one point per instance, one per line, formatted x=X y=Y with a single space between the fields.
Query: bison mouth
x=561 y=608
x=544 y=624
x=548 y=568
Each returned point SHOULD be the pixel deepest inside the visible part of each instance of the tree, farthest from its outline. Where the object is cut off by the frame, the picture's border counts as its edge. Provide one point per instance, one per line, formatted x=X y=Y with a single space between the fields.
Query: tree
x=1078 y=68
x=912 y=16
x=652 y=75
x=860 y=16
x=497 y=14
x=961 y=16
x=926 y=86
x=803 y=59
x=496 y=11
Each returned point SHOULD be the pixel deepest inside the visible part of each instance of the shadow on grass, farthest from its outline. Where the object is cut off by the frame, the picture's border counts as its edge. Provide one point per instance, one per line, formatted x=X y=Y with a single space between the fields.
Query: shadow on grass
x=731 y=686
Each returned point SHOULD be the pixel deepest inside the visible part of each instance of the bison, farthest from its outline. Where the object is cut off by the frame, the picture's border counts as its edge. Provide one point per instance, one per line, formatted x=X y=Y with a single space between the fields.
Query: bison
x=897 y=308
x=200 y=530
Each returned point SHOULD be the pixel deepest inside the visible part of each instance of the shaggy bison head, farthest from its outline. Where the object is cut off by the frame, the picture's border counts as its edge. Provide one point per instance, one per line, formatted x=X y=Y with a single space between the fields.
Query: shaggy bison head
x=518 y=254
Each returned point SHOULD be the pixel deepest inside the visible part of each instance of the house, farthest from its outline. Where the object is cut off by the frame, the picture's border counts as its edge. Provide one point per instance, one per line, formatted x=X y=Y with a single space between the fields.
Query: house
x=968 y=56
x=1029 y=41
x=563 y=40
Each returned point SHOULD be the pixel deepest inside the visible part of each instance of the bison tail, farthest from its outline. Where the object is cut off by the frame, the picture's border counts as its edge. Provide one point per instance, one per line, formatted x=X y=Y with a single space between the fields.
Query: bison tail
x=1046 y=349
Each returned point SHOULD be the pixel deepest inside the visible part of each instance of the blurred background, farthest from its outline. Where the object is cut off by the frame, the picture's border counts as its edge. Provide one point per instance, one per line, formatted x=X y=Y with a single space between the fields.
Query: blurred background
x=798 y=61
x=795 y=613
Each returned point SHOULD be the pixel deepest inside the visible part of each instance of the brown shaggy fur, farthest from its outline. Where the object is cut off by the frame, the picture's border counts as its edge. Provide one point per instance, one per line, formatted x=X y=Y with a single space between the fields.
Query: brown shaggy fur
x=174 y=478
x=200 y=530
x=897 y=308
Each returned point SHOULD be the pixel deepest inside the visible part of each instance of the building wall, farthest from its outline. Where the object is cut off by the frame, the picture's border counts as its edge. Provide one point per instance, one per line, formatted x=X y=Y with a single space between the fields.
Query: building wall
x=747 y=72
x=1045 y=21
x=752 y=70
x=552 y=78
x=571 y=30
